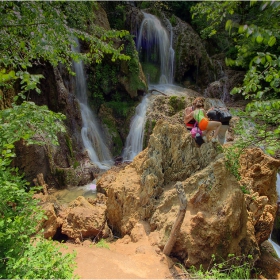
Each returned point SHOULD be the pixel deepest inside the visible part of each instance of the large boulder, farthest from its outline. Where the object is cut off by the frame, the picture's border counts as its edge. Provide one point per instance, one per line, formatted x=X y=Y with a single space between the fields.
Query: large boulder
x=220 y=218
x=134 y=192
x=81 y=220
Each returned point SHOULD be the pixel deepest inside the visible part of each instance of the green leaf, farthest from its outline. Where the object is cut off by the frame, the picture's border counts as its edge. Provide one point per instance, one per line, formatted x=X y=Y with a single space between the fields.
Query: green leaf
x=259 y=39
x=271 y=41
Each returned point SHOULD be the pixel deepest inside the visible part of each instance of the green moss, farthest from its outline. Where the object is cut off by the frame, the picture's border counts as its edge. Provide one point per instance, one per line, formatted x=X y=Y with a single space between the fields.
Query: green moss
x=173 y=20
x=176 y=103
x=65 y=176
x=69 y=145
x=149 y=127
x=116 y=138
x=152 y=70
x=135 y=82
x=76 y=164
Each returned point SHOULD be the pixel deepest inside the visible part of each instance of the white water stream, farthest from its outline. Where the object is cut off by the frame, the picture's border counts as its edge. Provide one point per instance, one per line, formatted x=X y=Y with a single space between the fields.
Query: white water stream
x=275 y=245
x=134 y=140
x=91 y=134
x=154 y=41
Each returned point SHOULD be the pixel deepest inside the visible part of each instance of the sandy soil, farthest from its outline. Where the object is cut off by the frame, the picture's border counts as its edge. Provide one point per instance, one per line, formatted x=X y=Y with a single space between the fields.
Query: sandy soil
x=123 y=260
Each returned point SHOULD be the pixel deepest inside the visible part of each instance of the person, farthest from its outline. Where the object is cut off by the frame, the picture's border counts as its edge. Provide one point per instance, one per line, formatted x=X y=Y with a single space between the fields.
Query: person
x=204 y=124
x=190 y=123
x=225 y=125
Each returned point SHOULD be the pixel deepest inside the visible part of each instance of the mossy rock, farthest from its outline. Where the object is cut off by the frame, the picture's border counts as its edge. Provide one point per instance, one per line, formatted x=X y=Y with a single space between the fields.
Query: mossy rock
x=66 y=176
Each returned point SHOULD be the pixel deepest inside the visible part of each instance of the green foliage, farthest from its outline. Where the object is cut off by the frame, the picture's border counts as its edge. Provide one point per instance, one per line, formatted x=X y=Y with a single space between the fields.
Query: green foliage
x=232 y=155
x=117 y=17
x=153 y=70
x=173 y=20
x=121 y=105
x=120 y=108
x=253 y=130
x=42 y=259
x=23 y=252
x=35 y=32
x=25 y=121
x=180 y=8
x=81 y=18
x=20 y=257
x=235 y=267
x=102 y=244
x=245 y=136
x=254 y=31
x=211 y=16
x=103 y=78
x=260 y=125
x=244 y=189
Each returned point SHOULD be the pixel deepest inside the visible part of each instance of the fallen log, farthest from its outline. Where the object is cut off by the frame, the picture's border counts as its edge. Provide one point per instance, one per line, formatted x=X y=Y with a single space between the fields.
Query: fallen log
x=178 y=222
x=151 y=90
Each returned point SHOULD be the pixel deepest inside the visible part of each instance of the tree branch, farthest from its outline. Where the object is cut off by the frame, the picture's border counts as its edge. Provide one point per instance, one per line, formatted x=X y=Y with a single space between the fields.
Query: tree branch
x=178 y=222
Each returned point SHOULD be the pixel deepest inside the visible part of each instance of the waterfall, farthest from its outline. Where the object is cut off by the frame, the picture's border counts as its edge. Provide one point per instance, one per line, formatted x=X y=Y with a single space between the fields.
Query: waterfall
x=134 y=140
x=91 y=132
x=154 y=45
x=275 y=245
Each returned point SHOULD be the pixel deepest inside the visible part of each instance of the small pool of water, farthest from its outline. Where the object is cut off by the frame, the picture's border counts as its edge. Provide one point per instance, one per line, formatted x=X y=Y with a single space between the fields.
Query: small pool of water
x=67 y=195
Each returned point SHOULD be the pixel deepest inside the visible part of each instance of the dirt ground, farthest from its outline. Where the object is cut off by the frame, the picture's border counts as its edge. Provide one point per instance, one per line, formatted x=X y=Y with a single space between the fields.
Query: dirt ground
x=128 y=260
x=123 y=260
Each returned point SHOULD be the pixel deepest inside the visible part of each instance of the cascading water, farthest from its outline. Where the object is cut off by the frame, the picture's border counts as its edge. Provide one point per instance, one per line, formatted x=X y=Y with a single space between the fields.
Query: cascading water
x=275 y=245
x=155 y=46
x=91 y=132
x=134 y=140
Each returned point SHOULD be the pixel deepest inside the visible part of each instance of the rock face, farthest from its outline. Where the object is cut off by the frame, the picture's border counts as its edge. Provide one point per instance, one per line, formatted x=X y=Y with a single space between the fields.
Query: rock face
x=83 y=220
x=259 y=175
x=225 y=79
x=219 y=220
x=192 y=65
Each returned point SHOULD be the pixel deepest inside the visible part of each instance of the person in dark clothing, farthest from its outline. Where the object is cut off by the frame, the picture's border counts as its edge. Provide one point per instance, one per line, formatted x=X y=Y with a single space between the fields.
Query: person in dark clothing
x=211 y=114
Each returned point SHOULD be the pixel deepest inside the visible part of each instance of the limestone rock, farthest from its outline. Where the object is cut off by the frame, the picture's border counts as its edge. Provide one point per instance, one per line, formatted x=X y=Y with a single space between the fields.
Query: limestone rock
x=133 y=192
x=83 y=220
x=192 y=61
x=220 y=218
x=50 y=225
x=258 y=174
x=215 y=217
x=225 y=79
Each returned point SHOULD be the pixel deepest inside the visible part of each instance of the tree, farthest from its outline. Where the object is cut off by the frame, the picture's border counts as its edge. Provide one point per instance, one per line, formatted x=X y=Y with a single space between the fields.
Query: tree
x=24 y=253
x=254 y=30
x=35 y=32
